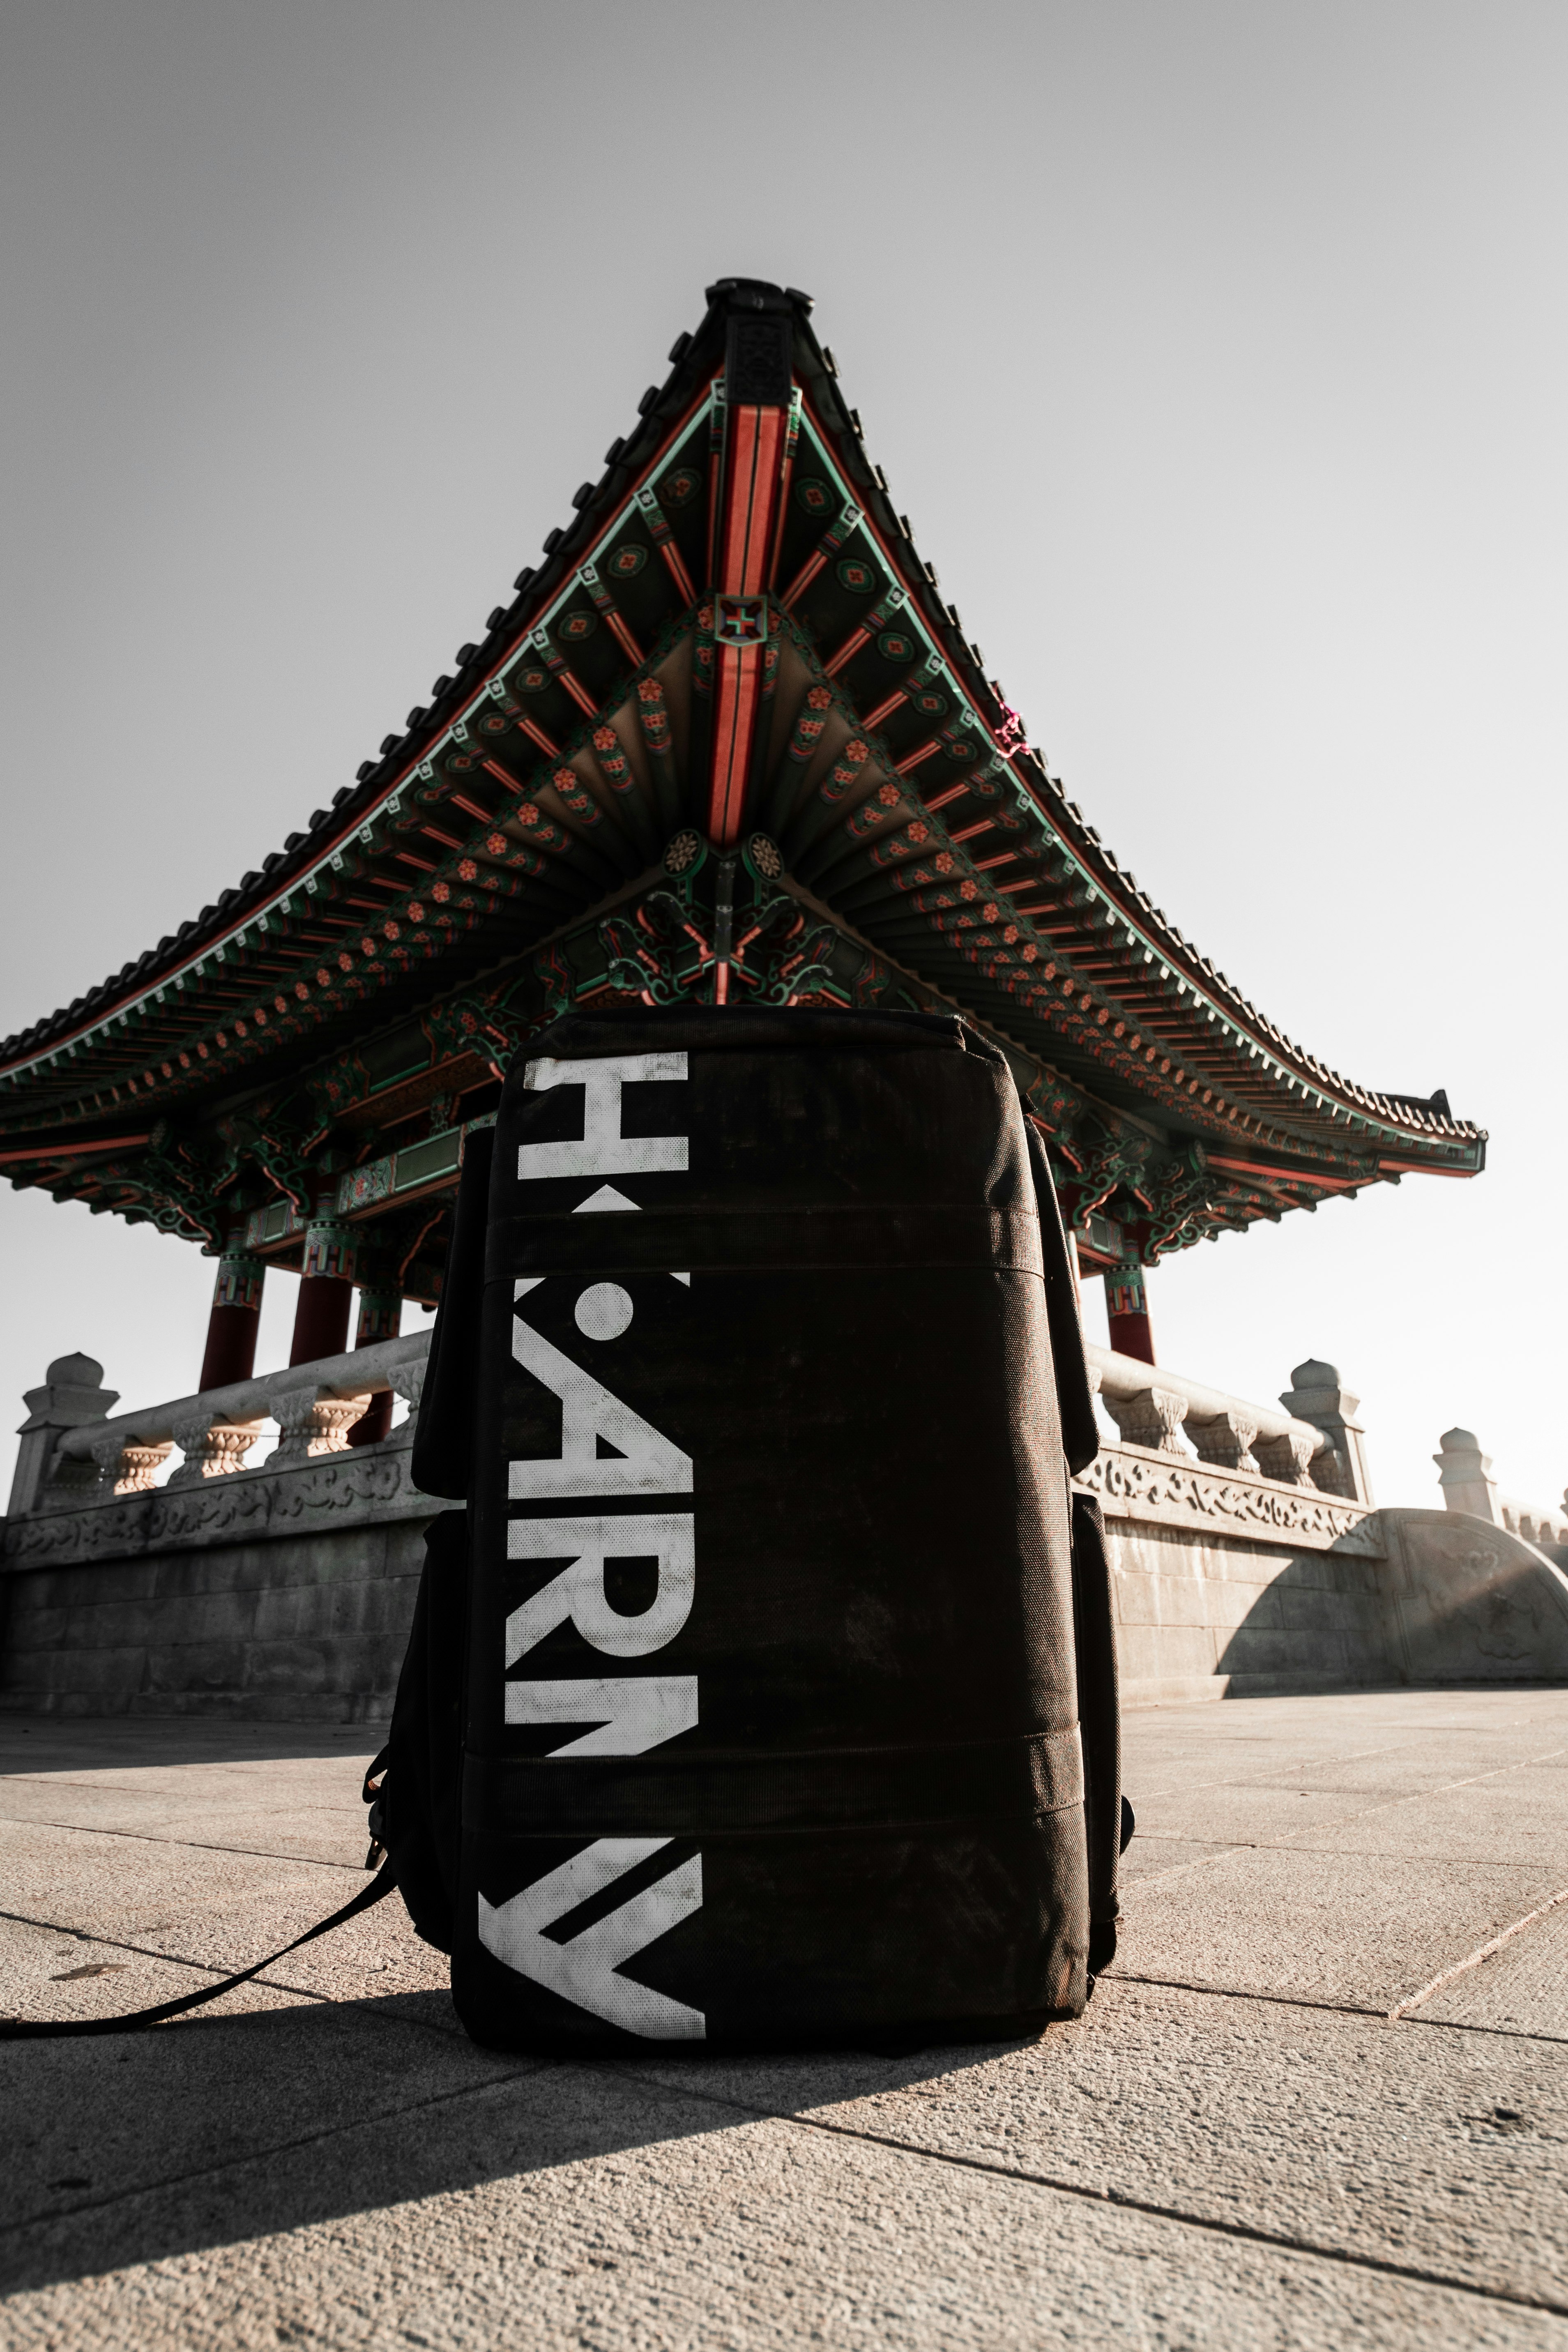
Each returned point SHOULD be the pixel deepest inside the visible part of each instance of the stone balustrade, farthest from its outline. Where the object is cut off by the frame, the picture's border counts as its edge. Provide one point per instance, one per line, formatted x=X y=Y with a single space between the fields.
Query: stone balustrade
x=1535 y=1524
x=1465 y=1475
x=150 y=1563
x=314 y=1405
x=1171 y=1414
x=74 y=1453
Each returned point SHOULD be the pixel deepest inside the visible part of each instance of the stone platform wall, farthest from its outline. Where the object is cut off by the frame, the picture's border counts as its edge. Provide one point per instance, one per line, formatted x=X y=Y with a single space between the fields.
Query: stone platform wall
x=1227 y=1616
x=1239 y=1587
x=288 y=1593
x=282 y=1594
x=1231 y=1582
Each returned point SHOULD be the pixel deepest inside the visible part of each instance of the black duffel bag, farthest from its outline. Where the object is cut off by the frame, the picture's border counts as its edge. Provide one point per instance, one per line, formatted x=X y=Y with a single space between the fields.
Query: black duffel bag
x=783 y=1669
x=764 y=1694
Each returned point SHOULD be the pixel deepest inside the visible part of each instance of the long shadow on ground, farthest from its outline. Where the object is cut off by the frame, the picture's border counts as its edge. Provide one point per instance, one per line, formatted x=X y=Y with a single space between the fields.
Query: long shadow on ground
x=211 y=2131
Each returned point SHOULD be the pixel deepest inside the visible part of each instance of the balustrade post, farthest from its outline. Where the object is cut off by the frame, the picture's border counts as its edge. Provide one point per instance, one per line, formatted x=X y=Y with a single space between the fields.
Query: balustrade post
x=1127 y=1311
x=1289 y=1460
x=235 y=1320
x=310 y=1425
x=326 y=1290
x=1464 y=1473
x=71 y=1396
x=125 y=1465
x=1318 y=1396
x=1107 y=1429
x=212 y=1449
x=1151 y=1417
x=1227 y=1440
x=72 y=1479
x=380 y=1317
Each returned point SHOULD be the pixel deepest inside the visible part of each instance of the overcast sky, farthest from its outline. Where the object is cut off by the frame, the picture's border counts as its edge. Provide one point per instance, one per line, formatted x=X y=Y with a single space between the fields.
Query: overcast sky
x=1215 y=352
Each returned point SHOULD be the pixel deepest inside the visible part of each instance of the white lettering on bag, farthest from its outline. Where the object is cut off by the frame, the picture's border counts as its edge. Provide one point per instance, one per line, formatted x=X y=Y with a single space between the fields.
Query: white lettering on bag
x=648 y=1463
x=630 y=1713
x=605 y=1200
x=585 y=1967
x=603 y=1149
x=578 y=1592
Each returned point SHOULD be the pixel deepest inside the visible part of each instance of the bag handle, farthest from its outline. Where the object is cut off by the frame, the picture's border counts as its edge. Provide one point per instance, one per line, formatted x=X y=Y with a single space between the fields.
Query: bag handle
x=27 y=2029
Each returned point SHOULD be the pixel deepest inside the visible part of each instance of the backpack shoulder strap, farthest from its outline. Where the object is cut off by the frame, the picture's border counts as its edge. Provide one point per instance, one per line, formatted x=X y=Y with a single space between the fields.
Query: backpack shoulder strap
x=1075 y=1399
x=27 y=2029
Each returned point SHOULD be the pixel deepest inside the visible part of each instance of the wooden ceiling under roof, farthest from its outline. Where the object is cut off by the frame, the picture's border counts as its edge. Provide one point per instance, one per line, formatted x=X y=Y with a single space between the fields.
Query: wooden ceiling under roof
x=729 y=742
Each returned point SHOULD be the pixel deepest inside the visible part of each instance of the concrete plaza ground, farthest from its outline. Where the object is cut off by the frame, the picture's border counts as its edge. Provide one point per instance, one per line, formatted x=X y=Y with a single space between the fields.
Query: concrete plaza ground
x=1236 y=2146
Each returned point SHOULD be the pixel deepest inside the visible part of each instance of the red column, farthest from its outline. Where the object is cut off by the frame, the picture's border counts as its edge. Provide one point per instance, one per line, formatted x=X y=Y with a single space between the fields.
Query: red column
x=326 y=1292
x=235 y=1320
x=1127 y=1311
x=380 y=1317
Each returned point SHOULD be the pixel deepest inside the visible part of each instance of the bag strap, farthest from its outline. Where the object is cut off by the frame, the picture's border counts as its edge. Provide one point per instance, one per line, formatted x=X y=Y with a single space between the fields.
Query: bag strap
x=27 y=2029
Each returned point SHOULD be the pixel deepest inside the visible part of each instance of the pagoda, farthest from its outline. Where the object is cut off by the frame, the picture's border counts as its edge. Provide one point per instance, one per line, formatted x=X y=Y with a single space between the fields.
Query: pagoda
x=726 y=743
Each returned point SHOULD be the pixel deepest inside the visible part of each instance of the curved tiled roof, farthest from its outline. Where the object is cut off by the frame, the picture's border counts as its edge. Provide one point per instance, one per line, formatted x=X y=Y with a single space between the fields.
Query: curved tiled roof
x=1094 y=930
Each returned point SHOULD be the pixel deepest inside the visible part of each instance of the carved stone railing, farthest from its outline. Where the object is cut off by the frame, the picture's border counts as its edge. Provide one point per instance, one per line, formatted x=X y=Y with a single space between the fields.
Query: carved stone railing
x=1196 y=1458
x=1157 y=1410
x=314 y=1406
x=1131 y=1484
x=1228 y=1449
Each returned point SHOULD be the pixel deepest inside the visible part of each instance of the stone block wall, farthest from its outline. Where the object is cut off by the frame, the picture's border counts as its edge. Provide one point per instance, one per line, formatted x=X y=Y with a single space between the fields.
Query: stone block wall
x=1473 y=1602
x=282 y=1595
x=1208 y=1617
x=1227 y=1581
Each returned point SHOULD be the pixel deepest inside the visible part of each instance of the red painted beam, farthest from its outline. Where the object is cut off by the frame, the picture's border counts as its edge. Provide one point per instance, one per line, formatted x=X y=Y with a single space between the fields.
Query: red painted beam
x=831 y=541
x=1287 y=1175
x=755 y=441
x=74 y=1150
x=915 y=758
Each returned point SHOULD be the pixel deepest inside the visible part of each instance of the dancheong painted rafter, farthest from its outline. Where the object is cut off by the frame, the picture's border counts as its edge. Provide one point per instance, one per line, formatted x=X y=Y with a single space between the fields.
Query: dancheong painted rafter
x=726 y=742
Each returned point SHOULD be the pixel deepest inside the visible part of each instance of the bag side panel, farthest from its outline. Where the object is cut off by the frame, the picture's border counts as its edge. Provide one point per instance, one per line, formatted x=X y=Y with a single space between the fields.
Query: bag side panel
x=1081 y=1432
x=1099 y=1700
x=420 y=1803
x=444 y=1436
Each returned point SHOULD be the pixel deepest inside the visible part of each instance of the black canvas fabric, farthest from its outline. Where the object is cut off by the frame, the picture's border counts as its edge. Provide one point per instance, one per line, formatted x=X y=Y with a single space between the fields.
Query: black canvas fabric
x=1075 y=1401
x=1105 y=1809
x=442 y=1459
x=414 y=1787
x=774 y=1636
